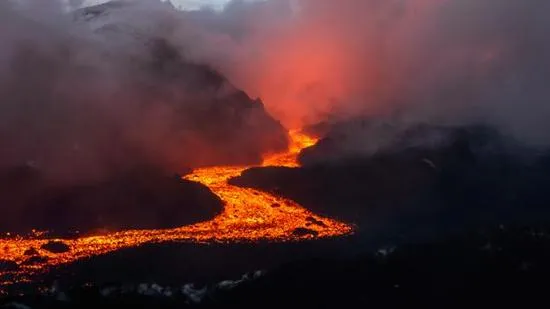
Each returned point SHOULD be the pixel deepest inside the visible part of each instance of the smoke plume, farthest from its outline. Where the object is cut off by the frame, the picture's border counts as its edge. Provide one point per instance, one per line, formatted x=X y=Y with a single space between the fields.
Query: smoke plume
x=89 y=93
x=137 y=74
x=444 y=61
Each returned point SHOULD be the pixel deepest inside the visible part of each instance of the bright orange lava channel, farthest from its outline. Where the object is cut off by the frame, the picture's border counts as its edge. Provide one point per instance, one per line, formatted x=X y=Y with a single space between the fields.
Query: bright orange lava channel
x=248 y=215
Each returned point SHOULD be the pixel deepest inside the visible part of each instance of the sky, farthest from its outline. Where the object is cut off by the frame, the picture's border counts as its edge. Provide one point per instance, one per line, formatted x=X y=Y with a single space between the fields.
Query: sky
x=184 y=4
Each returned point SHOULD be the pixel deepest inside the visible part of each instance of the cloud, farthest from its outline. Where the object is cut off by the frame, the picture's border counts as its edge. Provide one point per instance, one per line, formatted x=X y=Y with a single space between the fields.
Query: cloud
x=443 y=62
x=448 y=61
x=104 y=89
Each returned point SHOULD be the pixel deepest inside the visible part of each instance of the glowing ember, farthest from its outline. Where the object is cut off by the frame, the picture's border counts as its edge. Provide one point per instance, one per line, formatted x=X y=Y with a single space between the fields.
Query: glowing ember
x=249 y=215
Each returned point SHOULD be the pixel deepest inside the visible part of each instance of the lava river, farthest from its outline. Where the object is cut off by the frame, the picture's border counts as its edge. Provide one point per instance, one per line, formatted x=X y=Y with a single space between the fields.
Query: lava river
x=248 y=215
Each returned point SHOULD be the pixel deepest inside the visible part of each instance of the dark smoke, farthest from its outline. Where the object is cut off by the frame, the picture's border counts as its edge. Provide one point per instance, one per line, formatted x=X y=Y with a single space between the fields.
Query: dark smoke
x=100 y=107
x=450 y=62
x=104 y=88
x=430 y=61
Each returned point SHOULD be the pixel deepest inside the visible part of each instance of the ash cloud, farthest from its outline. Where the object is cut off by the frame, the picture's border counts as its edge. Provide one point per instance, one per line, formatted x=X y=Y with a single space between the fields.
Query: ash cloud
x=450 y=62
x=89 y=93
x=100 y=106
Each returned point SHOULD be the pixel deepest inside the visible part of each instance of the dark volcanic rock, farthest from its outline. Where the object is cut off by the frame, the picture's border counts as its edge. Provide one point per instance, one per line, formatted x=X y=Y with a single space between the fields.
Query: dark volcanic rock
x=35 y=260
x=8 y=265
x=497 y=266
x=56 y=247
x=302 y=231
x=470 y=176
x=359 y=139
x=458 y=271
x=137 y=199
x=312 y=220
x=355 y=192
x=30 y=252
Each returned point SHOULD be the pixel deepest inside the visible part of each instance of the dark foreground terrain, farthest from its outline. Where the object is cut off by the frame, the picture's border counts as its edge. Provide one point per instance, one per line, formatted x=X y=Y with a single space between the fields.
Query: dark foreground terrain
x=424 y=181
x=491 y=267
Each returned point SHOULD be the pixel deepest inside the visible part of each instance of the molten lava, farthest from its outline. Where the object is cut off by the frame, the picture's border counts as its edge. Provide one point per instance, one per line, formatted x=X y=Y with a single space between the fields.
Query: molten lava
x=249 y=215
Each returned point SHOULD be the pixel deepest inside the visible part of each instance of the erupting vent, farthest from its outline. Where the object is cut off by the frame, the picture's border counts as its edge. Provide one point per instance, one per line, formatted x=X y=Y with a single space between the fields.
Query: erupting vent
x=249 y=215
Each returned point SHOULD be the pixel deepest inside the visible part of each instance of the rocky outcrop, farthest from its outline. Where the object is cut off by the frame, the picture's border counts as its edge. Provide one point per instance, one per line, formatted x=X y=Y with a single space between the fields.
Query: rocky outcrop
x=56 y=247
x=142 y=198
x=411 y=187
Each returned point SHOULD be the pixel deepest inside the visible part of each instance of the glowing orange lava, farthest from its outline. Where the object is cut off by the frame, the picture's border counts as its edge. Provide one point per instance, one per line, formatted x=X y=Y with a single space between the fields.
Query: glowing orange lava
x=248 y=215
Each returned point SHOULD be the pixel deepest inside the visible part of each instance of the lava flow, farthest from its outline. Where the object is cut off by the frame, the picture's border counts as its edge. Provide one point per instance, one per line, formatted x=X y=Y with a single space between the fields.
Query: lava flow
x=248 y=215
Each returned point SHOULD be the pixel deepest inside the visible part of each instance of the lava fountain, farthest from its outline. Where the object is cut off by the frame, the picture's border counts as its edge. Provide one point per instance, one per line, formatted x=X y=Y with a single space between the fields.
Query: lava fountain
x=249 y=215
